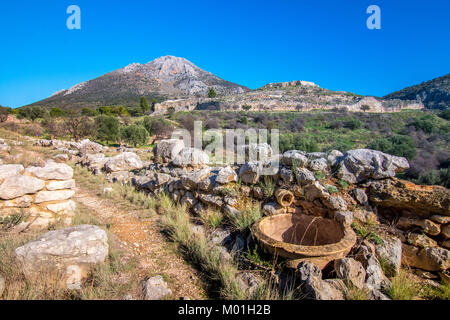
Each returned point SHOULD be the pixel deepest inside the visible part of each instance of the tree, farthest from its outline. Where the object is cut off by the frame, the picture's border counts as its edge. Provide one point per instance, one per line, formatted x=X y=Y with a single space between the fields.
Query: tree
x=157 y=126
x=88 y=112
x=212 y=93
x=365 y=107
x=37 y=112
x=107 y=128
x=57 y=112
x=78 y=126
x=246 y=107
x=4 y=112
x=144 y=104
x=134 y=134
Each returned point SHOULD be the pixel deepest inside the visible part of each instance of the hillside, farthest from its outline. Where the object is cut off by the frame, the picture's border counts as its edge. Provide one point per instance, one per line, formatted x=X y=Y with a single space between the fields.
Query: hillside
x=291 y=96
x=435 y=94
x=163 y=78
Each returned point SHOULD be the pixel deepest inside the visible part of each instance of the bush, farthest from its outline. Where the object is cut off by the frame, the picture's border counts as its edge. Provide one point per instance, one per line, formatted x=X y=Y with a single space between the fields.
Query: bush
x=57 y=112
x=426 y=125
x=107 y=128
x=157 y=126
x=352 y=124
x=135 y=135
x=88 y=112
x=212 y=93
x=399 y=145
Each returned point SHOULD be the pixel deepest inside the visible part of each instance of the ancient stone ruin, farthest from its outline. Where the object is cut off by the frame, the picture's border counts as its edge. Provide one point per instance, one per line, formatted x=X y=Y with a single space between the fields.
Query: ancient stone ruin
x=36 y=196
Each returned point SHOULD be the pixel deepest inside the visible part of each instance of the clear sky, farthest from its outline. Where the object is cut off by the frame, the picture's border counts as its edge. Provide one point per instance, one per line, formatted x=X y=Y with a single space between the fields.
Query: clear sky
x=250 y=42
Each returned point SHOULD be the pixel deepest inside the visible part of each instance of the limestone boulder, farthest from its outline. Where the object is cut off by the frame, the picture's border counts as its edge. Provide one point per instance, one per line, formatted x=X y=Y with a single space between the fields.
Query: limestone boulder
x=304 y=176
x=351 y=271
x=8 y=170
x=423 y=201
x=312 y=284
x=226 y=175
x=363 y=164
x=19 y=185
x=390 y=250
x=166 y=150
x=191 y=157
x=295 y=157
x=156 y=288
x=61 y=184
x=75 y=248
x=51 y=171
x=430 y=259
x=250 y=172
x=125 y=161
x=58 y=195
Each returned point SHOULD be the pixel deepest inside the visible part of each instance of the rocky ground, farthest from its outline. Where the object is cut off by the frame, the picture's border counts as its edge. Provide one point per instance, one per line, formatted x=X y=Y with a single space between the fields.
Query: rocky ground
x=344 y=227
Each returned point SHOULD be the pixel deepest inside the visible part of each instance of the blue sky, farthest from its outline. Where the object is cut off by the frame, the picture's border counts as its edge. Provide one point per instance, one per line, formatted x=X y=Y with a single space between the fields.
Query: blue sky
x=248 y=42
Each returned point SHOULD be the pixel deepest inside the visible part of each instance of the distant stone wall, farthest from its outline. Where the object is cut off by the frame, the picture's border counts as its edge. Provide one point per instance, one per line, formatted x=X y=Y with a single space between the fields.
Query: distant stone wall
x=278 y=103
x=36 y=197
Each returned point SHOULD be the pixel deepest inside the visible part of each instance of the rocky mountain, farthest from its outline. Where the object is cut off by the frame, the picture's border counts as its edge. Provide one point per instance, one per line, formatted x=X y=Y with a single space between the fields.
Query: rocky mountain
x=163 y=78
x=435 y=94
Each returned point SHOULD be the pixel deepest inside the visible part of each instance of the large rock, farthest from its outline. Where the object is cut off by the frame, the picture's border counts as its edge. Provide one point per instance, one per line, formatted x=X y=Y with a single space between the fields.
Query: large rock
x=190 y=180
x=75 y=248
x=51 y=171
x=18 y=185
x=304 y=176
x=430 y=259
x=313 y=286
x=391 y=252
x=226 y=175
x=362 y=164
x=125 y=161
x=250 y=172
x=156 y=288
x=64 y=207
x=58 y=195
x=8 y=170
x=295 y=157
x=421 y=200
x=375 y=277
x=350 y=270
x=167 y=150
x=258 y=152
x=191 y=157
x=62 y=184
x=89 y=147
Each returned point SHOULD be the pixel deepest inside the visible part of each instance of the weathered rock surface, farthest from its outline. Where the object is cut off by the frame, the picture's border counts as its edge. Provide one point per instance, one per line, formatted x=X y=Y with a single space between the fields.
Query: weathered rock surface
x=351 y=270
x=421 y=200
x=18 y=185
x=58 y=185
x=295 y=157
x=125 y=161
x=304 y=176
x=8 y=170
x=167 y=150
x=81 y=246
x=391 y=252
x=156 y=288
x=52 y=171
x=313 y=286
x=430 y=259
x=362 y=164
x=58 y=195
x=191 y=157
x=250 y=172
x=226 y=175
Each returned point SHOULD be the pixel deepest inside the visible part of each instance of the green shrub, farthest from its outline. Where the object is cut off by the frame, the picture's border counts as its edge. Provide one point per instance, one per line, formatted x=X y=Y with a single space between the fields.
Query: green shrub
x=107 y=128
x=135 y=135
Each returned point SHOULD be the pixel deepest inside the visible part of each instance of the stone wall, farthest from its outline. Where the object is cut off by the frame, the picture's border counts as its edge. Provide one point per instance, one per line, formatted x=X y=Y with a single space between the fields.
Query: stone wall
x=36 y=197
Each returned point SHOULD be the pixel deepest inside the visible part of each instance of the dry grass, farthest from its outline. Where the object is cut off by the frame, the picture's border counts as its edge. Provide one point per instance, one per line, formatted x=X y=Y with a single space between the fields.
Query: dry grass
x=212 y=218
x=198 y=250
x=403 y=288
x=250 y=213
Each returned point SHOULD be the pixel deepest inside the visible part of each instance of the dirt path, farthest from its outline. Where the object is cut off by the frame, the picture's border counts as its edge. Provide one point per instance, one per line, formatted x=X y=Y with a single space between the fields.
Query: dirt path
x=142 y=240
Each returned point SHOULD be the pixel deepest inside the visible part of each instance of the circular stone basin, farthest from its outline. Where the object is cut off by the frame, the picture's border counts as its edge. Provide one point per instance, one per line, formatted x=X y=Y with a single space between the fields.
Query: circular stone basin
x=301 y=237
